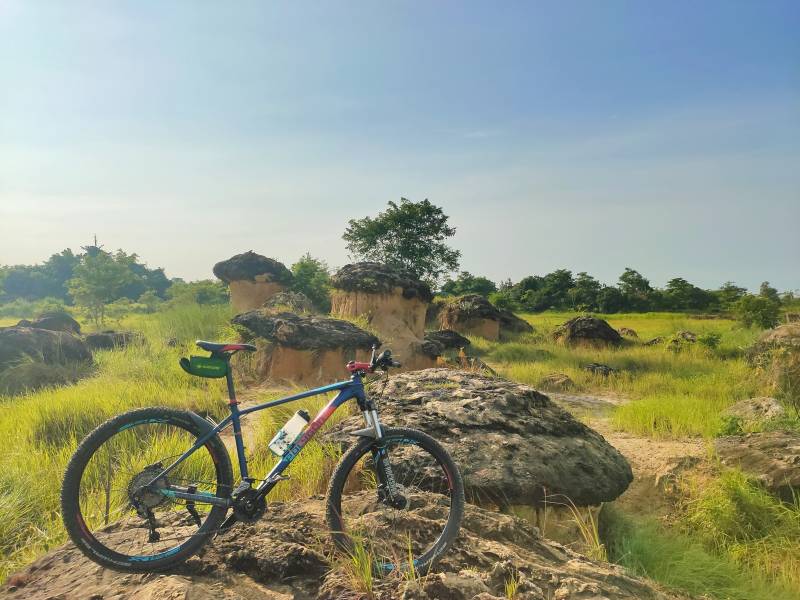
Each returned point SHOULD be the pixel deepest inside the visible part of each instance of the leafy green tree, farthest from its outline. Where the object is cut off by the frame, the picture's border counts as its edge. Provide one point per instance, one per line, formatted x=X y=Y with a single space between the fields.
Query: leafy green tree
x=585 y=292
x=610 y=300
x=636 y=290
x=682 y=295
x=410 y=235
x=466 y=283
x=758 y=310
x=729 y=293
x=769 y=292
x=97 y=281
x=312 y=278
x=198 y=292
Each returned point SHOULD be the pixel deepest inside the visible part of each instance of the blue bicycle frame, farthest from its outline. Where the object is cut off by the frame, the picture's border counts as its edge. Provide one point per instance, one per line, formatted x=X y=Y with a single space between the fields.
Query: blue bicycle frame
x=354 y=388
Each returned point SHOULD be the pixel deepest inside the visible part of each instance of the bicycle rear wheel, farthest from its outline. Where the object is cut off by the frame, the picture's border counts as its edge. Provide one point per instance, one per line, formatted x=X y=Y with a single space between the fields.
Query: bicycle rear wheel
x=415 y=527
x=110 y=515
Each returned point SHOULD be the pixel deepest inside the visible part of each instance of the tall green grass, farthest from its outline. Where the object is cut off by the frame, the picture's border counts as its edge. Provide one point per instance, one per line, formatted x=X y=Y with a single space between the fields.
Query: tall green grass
x=672 y=393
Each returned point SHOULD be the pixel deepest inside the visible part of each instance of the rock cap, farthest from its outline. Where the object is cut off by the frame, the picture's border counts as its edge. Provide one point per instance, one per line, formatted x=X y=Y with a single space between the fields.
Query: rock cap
x=470 y=306
x=379 y=278
x=303 y=332
x=249 y=265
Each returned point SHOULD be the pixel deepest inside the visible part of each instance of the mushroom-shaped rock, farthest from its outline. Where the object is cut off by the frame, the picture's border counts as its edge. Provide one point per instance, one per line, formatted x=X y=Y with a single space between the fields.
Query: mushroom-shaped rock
x=252 y=279
x=303 y=349
x=41 y=345
x=394 y=302
x=587 y=330
x=472 y=315
x=512 y=444
x=448 y=339
x=771 y=457
x=296 y=302
x=628 y=332
x=784 y=336
x=53 y=321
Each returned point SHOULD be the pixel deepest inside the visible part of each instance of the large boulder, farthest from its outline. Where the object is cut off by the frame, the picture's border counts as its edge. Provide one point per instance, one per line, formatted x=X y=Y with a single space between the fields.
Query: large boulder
x=54 y=321
x=393 y=301
x=472 y=314
x=771 y=457
x=513 y=445
x=753 y=411
x=41 y=345
x=252 y=279
x=783 y=336
x=112 y=340
x=303 y=349
x=287 y=556
x=587 y=331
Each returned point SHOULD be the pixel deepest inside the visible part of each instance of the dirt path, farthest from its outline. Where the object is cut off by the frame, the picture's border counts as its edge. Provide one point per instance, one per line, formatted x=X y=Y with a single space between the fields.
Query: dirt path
x=655 y=462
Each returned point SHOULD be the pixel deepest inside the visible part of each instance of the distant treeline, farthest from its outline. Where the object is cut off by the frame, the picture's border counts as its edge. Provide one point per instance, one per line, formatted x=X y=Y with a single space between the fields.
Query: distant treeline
x=563 y=290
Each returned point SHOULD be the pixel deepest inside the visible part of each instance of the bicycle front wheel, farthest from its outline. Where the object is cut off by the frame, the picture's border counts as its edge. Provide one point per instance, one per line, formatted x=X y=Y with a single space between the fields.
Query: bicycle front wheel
x=112 y=512
x=409 y=528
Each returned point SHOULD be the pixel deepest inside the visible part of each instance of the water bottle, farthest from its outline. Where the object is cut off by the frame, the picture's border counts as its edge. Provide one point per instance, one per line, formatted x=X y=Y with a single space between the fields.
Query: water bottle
x=289 y=433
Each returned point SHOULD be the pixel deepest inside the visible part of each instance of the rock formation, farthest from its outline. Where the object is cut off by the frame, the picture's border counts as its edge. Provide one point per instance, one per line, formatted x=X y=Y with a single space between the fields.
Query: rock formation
x=252 y=279
x=756 y=410
x=599 y=369
x=472 y=315
x=394 y=303
x=771 y=457
x=303 y=349
x=448 y=339
x=560 y=382
x=511 y=324
x=53 y=321
x=587 y=331
x=111 y=340
x=512 y=443
x=628 y=332
x=41 y=345
x=286 y=555
x=296 y=302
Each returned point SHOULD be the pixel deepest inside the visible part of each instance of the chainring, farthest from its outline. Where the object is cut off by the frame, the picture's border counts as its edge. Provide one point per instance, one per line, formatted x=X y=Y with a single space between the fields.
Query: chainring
x=248 y=506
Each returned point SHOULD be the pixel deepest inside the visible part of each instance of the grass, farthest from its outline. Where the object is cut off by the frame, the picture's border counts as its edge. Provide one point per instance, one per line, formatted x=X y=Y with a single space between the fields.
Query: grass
x=672 y=393
x=683 y=563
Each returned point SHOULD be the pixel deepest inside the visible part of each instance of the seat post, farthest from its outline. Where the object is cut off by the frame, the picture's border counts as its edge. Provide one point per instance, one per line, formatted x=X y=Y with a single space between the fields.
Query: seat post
x=232 y=401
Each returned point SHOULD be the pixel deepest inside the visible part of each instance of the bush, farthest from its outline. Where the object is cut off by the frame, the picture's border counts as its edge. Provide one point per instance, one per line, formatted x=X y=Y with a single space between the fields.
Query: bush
x=758 y=310
x=710 y=340
x=311 y=277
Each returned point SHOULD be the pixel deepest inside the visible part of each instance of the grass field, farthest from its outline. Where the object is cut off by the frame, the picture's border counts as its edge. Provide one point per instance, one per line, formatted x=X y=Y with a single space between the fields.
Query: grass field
x=672 y=393
x=669 y=394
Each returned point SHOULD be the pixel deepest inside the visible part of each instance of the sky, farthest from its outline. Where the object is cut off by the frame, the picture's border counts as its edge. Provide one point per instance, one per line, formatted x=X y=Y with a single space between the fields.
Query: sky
x=594 y=136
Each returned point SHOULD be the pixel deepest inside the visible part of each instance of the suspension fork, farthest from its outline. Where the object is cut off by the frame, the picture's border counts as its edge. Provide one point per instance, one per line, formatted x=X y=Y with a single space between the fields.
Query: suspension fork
x=380 y=456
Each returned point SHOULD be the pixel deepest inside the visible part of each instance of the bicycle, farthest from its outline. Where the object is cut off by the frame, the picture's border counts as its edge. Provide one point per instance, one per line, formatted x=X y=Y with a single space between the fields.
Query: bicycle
x=155 y=472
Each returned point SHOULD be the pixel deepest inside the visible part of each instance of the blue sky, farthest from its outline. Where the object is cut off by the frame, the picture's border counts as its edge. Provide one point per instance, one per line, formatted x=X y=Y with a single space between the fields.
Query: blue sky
x=663 y=136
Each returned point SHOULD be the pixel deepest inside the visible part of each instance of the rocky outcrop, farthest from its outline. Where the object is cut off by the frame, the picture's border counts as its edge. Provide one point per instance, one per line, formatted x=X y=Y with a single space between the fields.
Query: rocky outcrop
x=286 y=555
x=599 y=369
x=511 y=324
x=513 y=445
x=784 y=336
x=53 y=321
x=394 y=303
x=752 y=411
x=296 y=302
x=303 y=349
x=557 y=381
x=771 y=457
x=41 y=345
x=112 y=340
x=448 y=339
x=628 y=332
x=252 y=279
x=472 y=315
x=587 y=331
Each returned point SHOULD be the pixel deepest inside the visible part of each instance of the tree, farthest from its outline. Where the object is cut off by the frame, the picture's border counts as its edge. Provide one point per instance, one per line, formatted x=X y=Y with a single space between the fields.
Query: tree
x=97 y=281
x=769 y=292
x=729 y=293
x=682 y=295
x=312 y=278
x=585 y=292
x=200 y=292
x=610 y=300
x=466 y=283
x=758 y=310
x=410 y=235
x=636 y=289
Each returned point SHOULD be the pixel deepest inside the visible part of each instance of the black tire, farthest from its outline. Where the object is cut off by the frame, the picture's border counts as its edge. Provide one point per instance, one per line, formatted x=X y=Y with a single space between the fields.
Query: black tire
x=195 y=426
x=363 y=449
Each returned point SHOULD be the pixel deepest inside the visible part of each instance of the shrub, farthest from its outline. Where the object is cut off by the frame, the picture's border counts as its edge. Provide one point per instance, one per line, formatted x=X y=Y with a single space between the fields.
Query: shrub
x=757 y=310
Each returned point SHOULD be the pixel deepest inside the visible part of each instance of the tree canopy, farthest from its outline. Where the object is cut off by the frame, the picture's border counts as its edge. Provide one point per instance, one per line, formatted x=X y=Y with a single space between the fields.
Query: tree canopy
x=410 y=234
